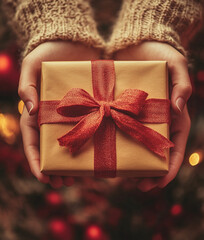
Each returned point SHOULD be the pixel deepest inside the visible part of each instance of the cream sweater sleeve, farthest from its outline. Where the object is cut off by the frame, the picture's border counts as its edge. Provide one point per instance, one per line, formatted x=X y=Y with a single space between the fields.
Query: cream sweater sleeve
x=37 y=21
x=155 y=20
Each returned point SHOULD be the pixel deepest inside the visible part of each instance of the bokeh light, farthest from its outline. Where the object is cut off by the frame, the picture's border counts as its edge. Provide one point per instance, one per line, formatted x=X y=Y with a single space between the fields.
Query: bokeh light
x=20 y=106
x=176 y=209
x=5 y=63
x=9 y=128
x=57 y=226
x=53 y=198
x=93 y=232
x=194 y=159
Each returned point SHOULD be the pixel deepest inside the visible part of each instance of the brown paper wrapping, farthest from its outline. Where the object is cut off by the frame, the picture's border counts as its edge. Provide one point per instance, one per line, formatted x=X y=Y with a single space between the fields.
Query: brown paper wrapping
x=133 y=159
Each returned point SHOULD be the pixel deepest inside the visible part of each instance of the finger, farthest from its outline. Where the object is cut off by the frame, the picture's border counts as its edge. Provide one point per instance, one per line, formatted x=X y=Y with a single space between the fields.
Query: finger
x=27 y=89
x=56 y=181
x=135 y=180
x=31 y=144
x=179 y=138
x=147 y=184
x=68 y=181
x=181 y=83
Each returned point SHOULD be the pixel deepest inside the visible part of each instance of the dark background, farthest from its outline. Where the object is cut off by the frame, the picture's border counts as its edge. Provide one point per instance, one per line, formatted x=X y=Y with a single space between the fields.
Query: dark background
x=96 y=209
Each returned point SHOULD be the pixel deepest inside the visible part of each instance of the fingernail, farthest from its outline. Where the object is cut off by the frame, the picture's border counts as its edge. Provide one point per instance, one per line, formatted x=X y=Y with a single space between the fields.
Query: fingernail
x=180 y=103
x=29 y=106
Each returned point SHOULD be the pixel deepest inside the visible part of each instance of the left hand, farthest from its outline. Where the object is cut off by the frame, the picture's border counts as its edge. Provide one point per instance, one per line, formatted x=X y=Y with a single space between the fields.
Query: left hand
x=181 y=91
x=180 y=127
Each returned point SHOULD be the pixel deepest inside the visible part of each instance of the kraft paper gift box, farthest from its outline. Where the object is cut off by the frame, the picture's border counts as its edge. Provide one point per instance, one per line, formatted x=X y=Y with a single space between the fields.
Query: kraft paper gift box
x=133 y=159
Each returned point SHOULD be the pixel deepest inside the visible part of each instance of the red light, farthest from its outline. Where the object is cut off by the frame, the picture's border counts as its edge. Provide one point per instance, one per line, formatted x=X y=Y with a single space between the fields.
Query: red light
x=93 y=232
x=176 y=209
x=53 y=198
x=5 y=63
x=57 y=226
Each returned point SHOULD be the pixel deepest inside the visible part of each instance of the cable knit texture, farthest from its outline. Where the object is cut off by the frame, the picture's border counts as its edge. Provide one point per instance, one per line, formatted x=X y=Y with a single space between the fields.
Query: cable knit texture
x=157 y=20
x=37 y=21
x=169 y=21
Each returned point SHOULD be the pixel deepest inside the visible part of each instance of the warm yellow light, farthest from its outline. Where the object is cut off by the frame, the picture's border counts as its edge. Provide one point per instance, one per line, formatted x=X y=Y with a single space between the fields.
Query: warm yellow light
x=9 y=127
x=20 y=106
x=194 y=159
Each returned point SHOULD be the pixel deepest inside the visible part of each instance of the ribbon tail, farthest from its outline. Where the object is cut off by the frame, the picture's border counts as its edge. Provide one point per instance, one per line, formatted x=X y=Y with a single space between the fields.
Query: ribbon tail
x=150 y=138
x=80 y=133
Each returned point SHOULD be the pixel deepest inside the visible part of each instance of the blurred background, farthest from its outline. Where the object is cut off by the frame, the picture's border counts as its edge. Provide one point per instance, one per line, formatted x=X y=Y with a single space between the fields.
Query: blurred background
x=96 y=209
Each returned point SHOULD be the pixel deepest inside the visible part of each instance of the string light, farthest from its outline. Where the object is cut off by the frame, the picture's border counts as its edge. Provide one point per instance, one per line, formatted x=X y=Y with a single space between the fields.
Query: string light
x=93 y=232
x=9 y=128
x=57 y=226
x=53 y=198
x=176 y=209
x=20 y=106
x=195 y=158
x=5 y=63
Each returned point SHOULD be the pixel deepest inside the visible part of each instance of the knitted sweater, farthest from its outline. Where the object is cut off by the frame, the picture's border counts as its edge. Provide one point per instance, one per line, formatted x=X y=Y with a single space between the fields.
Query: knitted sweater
x=37 y=21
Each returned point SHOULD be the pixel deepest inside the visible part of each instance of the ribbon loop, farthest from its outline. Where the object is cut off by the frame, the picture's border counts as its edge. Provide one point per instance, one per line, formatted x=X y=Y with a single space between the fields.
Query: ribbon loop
x=77 y=102
x=130 y=100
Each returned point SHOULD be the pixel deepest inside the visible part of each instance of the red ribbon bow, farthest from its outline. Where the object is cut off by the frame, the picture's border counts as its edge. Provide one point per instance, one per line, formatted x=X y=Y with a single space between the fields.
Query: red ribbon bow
x=98 y=115
x=128 y=111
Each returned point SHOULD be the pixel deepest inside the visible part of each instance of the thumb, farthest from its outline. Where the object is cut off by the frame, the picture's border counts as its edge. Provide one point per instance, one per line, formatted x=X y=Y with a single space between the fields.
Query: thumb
x=181 y=83
x=27 y=89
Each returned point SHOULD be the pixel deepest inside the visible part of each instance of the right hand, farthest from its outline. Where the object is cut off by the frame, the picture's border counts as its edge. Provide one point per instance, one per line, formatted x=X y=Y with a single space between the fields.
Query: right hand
x=181 y=91
x=28 y=92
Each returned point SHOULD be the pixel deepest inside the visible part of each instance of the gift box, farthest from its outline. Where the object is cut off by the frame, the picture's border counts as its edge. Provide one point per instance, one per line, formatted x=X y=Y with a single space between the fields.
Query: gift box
x=104 y=118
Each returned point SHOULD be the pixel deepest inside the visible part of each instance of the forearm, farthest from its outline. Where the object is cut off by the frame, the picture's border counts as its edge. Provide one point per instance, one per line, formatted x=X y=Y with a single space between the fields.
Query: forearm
x=37 y=21
x=158 y=20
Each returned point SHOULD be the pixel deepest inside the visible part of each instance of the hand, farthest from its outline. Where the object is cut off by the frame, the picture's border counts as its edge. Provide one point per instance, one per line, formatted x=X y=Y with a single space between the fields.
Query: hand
x=28 y=91
x=180 y=127
x=181 y=91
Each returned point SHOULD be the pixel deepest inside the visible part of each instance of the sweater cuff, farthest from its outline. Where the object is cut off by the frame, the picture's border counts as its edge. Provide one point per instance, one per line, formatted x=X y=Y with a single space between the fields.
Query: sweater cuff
x=38 y=21
x=158 y=20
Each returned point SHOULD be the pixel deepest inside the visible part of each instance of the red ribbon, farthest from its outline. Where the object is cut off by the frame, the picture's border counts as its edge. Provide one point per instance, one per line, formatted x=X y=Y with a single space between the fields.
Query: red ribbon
x=98 y=115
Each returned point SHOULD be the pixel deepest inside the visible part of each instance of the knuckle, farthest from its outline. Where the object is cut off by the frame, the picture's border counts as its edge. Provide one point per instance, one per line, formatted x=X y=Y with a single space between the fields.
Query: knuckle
x=188 y=89
x=26 y=92
x=21 y=91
